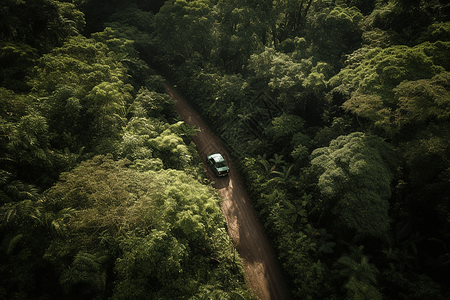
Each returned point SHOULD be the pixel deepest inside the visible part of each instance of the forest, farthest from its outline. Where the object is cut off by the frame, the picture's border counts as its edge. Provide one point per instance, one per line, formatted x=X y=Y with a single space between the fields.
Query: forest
x=336 y=112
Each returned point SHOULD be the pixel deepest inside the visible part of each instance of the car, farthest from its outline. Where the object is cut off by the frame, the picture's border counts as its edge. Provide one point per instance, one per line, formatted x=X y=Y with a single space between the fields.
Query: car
x=218 y=164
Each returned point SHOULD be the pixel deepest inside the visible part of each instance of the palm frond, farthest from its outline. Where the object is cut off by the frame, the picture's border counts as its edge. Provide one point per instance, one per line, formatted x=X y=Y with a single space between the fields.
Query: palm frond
x=13 y=243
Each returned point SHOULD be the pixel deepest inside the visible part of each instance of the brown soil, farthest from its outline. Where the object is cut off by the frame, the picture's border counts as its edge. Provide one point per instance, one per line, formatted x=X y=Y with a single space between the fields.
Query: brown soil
x=260 y=265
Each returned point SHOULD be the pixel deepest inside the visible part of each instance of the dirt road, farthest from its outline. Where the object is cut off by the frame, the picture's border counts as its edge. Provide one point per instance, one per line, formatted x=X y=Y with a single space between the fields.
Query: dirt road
x=260 y=265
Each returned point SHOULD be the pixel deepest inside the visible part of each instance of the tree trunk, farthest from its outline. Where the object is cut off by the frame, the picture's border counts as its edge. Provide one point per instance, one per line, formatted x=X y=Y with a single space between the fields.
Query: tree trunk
x=307 y=8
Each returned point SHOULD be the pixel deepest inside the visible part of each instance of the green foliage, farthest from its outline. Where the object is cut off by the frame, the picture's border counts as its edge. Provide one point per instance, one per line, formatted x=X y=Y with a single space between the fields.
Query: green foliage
x=376 y=82
x=394 y=84
x=26 y=142
x=285 y=126
x=334 y=31
x=80 y=61
x=355 y=173
x=157 y=143
x=41 y=24
x=416 y=103
x=291 y=16
x=13 y=107
x=26 y=211
x=154 y=105
x=184 y=27
x=383 y=69
x=171 y=149
x=72 y=18
x=439 y=31
x=16 y=59
x=18 y=147
x=279 y=69
x=118 y=41
x=286 y=215
x=85 y=276
x=163 y=231
x=64 y=114
x=229 y=91
x=359 y=274
x=134 y=140
x=292 y=81
x=360 y=290
x=87 y=92
x=157 y=258
x=423 y=100
x=30 y=135
x=12 y=244
x=107 y=103
x=242 y=28
x=427 y=154
x=81 y=100
x=412 y=286
x=131 y=47
x=161 y=227
x=325 y=135
x=134 y=15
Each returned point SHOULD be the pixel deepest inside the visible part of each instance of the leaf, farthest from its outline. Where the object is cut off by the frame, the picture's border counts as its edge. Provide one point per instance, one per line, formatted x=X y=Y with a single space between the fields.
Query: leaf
x=13 y=243
x=327 y=247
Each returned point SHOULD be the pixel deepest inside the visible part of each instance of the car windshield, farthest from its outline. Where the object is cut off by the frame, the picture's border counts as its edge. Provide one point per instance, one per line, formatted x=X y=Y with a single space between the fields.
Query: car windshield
x=221 y=164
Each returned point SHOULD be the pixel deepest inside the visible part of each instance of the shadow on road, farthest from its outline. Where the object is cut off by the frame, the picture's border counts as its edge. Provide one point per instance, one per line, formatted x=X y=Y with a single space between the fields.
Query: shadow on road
x=222 y=182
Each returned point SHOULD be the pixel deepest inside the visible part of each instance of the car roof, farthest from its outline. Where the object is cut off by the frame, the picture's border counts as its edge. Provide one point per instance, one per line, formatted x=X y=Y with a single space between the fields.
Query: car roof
x=217 y=157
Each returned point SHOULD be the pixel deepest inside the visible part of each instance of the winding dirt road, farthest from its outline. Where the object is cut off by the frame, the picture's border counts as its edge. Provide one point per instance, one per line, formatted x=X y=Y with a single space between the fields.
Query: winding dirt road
x=261 y=268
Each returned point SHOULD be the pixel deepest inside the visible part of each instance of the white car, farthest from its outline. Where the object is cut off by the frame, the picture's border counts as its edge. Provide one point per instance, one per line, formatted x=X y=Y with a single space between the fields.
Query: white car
x=218 y=164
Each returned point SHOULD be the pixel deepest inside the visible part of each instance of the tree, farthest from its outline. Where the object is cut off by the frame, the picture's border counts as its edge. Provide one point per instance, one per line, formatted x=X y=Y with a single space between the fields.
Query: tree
x=157 y=259
x=284 y=128
x=156 y=105
x=133 y=47
x=291 y=17
x=64 y=112
x=361 y=276
x=407 y=5
x=82 y=62
x=106 y=103
x=230 y=92
x=83 y=83
x=296 y=84
x=383 y=69
x=374 y=82
x=16 y=59
x=240 y=33
x=439 y=31
x=159 y=228
x=41 y=24
x=424 y=100
x=184 y=27
x=86 y=276
x=171 y=149
x=133 y=144
x=333 y=32
x=354 y=175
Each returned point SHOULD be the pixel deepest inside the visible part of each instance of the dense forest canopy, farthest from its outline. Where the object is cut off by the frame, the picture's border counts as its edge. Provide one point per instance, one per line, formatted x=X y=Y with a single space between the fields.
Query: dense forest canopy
x=337 y=113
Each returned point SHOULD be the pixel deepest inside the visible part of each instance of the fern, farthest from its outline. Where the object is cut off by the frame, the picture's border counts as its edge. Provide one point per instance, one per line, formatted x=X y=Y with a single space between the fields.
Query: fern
x=356 y=267
x=277 y=159
x=13 y=243
x=22 y=191
x=23 y=210
x=85 y=269
x=4 y=176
